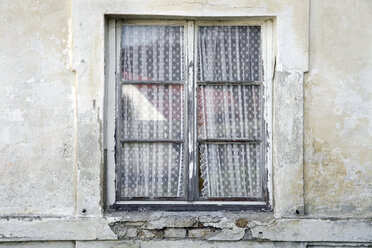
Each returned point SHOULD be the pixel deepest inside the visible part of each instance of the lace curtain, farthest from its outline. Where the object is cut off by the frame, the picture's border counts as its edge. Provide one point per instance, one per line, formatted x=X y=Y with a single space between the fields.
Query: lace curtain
x=152 y=53
x=152 y=170
x=152 y=112
x=230 y=170
x=227 y=112
x=229 y=53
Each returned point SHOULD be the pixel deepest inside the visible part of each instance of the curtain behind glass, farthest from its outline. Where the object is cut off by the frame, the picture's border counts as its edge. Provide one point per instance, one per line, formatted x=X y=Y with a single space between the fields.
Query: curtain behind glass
x=231 y=170
x=152 y=170
x=229 y=53
x=152 y=114
x=152 y=53
x=228 y=112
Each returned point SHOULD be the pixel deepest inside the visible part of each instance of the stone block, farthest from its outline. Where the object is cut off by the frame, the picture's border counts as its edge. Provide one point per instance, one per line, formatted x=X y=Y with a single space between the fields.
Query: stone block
x=131 y=233
x=150 y=234
x=174 y=233
x=200 y=232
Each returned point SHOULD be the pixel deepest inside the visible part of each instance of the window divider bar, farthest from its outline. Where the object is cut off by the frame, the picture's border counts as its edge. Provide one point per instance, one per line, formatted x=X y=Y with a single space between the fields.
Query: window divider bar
x=153 y=82
x=228 y=141
x=152 y=141
x=228 y=83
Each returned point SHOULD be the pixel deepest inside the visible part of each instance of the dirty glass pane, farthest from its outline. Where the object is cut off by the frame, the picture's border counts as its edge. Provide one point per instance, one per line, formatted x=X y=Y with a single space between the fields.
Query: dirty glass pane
x=152 y=170
x=229 y=53
x=152 y=53
x=152 y=112
x=226 y=111
x=231 y=170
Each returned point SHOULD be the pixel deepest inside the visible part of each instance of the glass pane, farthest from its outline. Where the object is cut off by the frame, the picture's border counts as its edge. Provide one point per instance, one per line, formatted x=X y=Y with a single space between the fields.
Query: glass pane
x=152 y=170
x=226 y=111
x=231 y=170
x=152 y=53
x=229 y=53
x=152 y=112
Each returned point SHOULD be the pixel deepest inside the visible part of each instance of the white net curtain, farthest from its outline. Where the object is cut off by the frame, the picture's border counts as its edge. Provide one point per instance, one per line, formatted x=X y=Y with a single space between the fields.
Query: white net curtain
x=152 y=53
x=152 y=114
x=229 y=54
x=229 y=112
x=230 y=170
x=152 y=170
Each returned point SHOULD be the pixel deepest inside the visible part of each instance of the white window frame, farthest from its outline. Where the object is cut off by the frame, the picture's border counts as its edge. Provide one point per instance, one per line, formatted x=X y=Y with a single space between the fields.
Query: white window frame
x=190 y=38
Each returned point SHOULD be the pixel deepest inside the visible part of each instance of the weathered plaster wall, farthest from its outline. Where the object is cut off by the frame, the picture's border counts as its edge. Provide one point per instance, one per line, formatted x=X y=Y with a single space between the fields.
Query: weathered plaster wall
x=51 y=91
x=338 y=110
x=37 y=110
x=290 y=19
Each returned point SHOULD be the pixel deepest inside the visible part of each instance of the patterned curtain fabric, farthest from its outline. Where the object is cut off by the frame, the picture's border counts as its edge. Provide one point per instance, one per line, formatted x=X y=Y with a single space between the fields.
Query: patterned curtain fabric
x=229 y=53
x=231 y=170
x=227 y=112
x=152 y=53
x=152 y=170
x=152 y=112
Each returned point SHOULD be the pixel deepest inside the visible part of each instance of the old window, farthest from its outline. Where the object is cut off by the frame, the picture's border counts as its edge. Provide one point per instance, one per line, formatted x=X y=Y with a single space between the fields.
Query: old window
x=189 y=114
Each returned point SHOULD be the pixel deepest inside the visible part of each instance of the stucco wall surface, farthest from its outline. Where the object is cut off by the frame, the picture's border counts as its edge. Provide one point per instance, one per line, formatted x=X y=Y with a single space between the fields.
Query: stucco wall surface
x=338 y=110
x=37 y=110
x=290 y=20
x=52 y=117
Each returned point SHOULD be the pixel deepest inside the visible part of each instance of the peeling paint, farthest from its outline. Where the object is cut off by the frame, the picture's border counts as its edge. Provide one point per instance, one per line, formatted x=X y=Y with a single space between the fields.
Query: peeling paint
x=338 y=115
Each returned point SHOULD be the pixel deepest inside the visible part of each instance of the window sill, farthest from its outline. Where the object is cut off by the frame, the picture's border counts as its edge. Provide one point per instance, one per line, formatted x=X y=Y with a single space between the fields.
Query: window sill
x=180 y=206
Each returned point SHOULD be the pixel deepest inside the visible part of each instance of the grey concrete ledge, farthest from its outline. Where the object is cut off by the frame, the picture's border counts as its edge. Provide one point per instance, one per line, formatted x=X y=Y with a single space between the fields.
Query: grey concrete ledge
x=98 y=228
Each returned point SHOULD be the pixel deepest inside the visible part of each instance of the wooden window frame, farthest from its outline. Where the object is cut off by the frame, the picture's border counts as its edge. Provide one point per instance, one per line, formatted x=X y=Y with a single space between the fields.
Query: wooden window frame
x=191 y=202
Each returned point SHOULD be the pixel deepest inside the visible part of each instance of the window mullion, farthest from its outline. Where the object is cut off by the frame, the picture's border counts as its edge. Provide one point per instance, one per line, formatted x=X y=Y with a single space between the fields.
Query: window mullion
x=191 y=123
x=110 y=113
x=118 y=111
